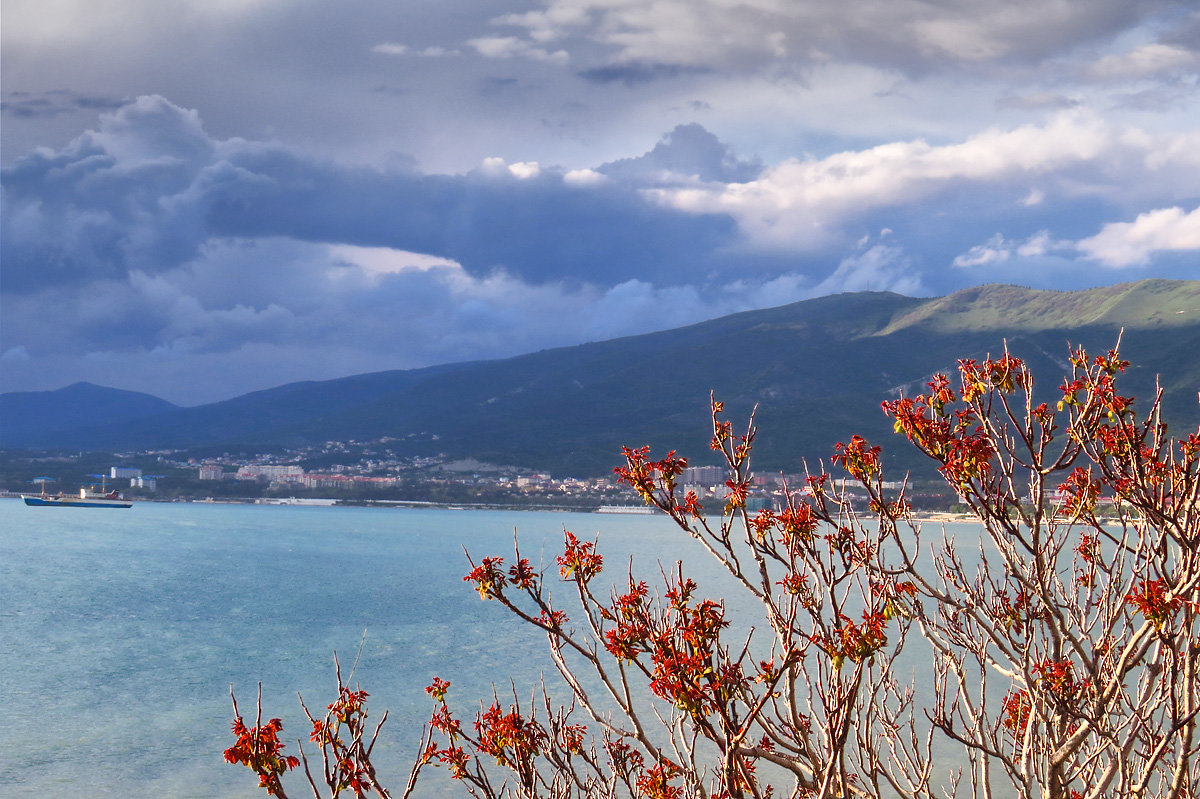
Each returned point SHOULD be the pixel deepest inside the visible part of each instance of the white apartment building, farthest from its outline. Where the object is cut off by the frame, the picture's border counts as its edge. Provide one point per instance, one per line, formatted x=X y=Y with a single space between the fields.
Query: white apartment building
x=258 y=471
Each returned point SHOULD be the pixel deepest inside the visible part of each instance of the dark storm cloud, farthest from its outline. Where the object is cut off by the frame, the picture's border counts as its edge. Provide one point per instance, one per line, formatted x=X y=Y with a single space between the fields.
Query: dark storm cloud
x=687 y=150
x=539 y=229
x=378 y=185
x=148 y=188
x=146 y=246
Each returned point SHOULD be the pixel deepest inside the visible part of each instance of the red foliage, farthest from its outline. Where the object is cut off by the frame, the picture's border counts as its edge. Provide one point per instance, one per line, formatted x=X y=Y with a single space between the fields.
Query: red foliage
x=860 y=460
x=579 y=560
x=259 y=749
x=1097 y=694
x=488 y=577
x=1153 y=600
x=655 y=783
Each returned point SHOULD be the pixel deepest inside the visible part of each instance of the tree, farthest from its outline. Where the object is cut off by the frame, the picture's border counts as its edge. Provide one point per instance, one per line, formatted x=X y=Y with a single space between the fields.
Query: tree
x=344 y=740
x=1065 y=644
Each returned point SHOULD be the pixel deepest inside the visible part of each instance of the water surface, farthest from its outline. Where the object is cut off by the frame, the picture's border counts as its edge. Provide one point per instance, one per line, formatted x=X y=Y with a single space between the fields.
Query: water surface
x=122 y=630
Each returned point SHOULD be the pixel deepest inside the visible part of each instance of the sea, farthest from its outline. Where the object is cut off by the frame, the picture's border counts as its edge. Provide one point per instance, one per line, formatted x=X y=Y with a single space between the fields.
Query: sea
x=122 y=632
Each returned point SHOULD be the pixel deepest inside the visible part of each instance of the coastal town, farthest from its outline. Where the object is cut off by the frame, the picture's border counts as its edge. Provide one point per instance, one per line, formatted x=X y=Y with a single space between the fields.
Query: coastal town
x=366 y=472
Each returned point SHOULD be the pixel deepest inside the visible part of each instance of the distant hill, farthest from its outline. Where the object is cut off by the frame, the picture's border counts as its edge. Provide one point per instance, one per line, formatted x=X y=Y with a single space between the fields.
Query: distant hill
x=33 y=418
x=817 y=370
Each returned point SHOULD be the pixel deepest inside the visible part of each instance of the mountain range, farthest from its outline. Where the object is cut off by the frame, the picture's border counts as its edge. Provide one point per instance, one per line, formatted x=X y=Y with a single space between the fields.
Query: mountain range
x=817 y=371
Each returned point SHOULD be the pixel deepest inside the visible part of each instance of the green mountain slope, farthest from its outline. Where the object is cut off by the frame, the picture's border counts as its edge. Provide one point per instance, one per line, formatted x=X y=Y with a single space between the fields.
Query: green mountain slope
x=1146 y=304
x=817 y=371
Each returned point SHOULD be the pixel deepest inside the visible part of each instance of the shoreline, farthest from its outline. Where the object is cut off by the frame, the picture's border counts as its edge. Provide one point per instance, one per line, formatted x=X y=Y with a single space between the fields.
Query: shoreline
x=931 y=517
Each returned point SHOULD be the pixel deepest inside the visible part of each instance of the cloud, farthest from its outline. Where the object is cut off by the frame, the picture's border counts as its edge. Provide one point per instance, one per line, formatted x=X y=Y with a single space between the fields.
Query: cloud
x=390 y=48
x=583 y=177
x=150 y=249
x=378 y=261
x=50 y=104
x=146 y=241
x=512 y=47
x=1122 y=244
x=875 y=267
x=1051 y=101
x=688 y=150
x=149 y=187
x=999 y=250
x=254 y=313
x=907 y=34
x=638 y=73
x=1146 y=61
x=804 y=203
x=995 y=250
x=588 y=76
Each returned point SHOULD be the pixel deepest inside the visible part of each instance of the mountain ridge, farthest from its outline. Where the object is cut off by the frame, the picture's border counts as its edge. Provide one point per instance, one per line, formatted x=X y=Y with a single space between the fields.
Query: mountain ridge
x=816 y=370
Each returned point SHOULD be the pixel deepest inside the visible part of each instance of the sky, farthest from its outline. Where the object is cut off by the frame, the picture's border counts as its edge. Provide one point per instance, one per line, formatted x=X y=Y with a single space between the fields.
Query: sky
x=204 y=198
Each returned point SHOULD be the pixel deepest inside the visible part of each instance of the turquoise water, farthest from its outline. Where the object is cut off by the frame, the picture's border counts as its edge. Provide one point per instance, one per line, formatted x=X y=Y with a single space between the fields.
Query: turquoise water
x=122 y=630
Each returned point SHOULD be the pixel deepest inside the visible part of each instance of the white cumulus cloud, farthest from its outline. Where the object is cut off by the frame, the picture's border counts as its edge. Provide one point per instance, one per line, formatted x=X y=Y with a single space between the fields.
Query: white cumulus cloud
x=801 y=203
x=1146 y=61
x=390 y=48
x=1121 y=244
x=998 y=249
x=877 y=267
x=512 y=47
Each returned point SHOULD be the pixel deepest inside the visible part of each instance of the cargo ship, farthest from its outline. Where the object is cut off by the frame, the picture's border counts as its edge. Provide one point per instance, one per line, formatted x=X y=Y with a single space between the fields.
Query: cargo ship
x=87 y=498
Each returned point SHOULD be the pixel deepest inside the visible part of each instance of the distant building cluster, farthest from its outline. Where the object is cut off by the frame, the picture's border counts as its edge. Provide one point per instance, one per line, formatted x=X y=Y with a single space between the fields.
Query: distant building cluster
x=337 y=478
x=706 y=476
x=135 y=477
x=707 y=482
x=283 y=474
x=291 y=474
x=212 y=471
x=378 y=471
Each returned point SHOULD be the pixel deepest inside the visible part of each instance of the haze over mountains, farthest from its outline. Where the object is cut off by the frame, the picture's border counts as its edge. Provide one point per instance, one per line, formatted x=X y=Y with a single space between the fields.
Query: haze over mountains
x=817 y=370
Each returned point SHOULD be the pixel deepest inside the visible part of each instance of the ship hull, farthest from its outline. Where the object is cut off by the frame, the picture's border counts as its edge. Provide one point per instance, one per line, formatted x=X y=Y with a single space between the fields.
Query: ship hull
x=75 y=502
